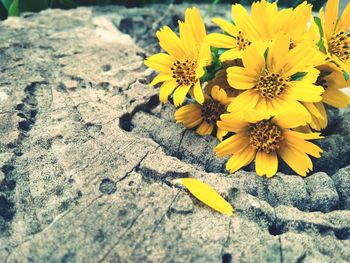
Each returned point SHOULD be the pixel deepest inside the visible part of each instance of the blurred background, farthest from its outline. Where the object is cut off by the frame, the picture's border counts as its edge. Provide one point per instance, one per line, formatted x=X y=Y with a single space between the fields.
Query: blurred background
x=15 y=7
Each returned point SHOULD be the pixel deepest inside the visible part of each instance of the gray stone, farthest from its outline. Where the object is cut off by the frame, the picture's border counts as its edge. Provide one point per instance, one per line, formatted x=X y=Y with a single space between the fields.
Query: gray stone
x=342 y=183
x=323 y=195
x=88 y=158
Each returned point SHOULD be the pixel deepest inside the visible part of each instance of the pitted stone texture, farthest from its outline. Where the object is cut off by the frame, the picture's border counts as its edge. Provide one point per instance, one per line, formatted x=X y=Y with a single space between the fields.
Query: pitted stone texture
x=88 y=158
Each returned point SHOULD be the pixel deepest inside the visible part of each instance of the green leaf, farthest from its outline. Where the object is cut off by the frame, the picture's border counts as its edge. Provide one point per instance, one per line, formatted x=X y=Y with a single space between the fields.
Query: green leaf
x=6 y=3
x=34 y=6
x=266 y=53
x=346 y=75
x=14 y=8
x=319 y=25
x=298 y=76
x=68 y=3
x=321 y=46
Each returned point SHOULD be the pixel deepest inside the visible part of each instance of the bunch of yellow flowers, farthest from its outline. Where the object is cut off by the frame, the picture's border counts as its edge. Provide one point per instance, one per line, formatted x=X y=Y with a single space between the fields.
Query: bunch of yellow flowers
x=262 y=84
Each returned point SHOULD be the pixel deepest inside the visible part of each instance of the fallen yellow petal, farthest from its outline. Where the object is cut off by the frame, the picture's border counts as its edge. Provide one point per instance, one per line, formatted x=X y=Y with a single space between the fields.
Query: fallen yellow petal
x=207 y=195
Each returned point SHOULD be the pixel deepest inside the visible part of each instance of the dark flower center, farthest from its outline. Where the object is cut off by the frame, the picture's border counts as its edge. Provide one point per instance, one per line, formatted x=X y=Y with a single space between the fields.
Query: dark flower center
x=265 y=136
x=271 y=85
x=211 y=110
x=242 y=43
x=184 y=71
x=339 y=45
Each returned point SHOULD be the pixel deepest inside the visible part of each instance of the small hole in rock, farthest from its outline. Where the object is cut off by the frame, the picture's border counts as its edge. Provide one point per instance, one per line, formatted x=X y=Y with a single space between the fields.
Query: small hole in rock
x=107 y=186
x=20 y=106
x=21 y=115
x=275 y=230
x=226 y=258
x=125 y=122
x=106 y=67
x=7 y=209
x=343 y=234
x=6 y=169
x=24 y=125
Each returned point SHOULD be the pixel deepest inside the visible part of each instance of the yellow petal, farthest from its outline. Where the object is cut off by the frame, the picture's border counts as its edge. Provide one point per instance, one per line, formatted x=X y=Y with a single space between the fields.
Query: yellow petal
x=240 y=78
x=187 y=39
x=344 y=21
x=161 y=77
x=253 y=61
x=241 y=159
x=166 y=89
x=207 y=195
x=233 y=145
x=170 y=42
x=180 y=94
x=194 y=20
x=303 y=146
x=305 y=136
x=220 y=133
x=226 y=26
x=221 y=40
x=231 y=54
x=331 y=16
x=303 y=91
x=198 y=93
x=219 y=94
x=335 y=98
x=278 y=52
x=161 y=62
x=205 y=128
x=189 y=115
x=291 y=119
x=266 y=163
x=295 y=159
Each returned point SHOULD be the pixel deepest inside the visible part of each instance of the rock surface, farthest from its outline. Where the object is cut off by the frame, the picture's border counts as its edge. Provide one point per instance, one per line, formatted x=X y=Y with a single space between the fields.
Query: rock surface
x=88 y=156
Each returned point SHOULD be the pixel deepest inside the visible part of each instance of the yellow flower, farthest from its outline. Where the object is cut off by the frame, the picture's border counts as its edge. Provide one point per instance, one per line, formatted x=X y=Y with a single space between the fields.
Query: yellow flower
x=206 y=115
x=183 y=66
x=332 y=80
x=236 y=39
x=220 y=79
x=265 y=22
x=263 y=138
x=278 y=82
x=336 y=34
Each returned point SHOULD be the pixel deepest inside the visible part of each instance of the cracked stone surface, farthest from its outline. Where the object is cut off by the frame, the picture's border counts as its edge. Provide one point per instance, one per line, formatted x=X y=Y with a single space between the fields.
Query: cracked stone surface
x=88 y=156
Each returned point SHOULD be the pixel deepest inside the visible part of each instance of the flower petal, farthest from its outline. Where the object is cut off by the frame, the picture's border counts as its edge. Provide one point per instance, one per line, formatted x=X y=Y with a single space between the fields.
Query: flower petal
x=266 y=163
x=233 y=145
x=221 y=41
x=207 y=195
x=180 y=94
x=205 y=128
x=241 y=159
x=166 y=89
x=170 y=42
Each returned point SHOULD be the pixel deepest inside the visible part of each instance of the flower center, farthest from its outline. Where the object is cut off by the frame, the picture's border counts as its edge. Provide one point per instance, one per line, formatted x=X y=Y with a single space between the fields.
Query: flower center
x=242 y=42
x=184 y=71
x=211 y=110
x=265 y=136
x=271 y=85
x=339 y=45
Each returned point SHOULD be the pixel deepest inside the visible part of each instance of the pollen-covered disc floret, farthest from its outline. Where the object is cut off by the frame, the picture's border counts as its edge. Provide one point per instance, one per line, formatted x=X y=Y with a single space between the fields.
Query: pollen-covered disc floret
x=339 y=45
x=271 y=85
x=265 y=136
x=184 y=71
x=211 y=110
